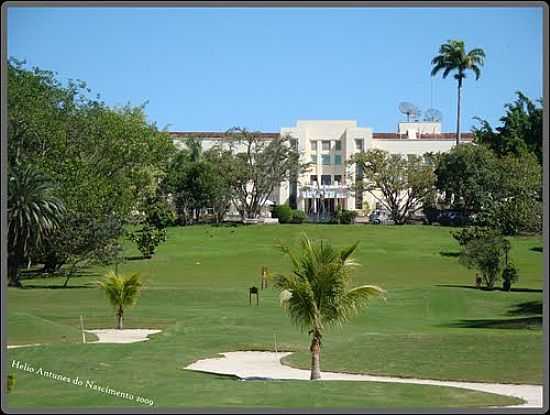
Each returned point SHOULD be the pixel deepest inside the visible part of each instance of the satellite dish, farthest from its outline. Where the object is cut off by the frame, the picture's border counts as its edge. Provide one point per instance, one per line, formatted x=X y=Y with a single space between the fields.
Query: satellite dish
x=433 y=115
x=409 y=109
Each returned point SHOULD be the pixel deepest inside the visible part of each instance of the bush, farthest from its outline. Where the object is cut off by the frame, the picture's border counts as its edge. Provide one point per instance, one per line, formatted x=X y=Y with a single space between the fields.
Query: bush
x=10 y=383
x=468 y=234
x=283 y=213
x=159 y=214
x=148 y=238
x=510 y=275
x=298 y=216
x=343 y=216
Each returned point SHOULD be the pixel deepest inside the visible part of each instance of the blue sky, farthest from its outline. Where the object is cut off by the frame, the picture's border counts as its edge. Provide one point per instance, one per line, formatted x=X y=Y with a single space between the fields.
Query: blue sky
x=211 y=69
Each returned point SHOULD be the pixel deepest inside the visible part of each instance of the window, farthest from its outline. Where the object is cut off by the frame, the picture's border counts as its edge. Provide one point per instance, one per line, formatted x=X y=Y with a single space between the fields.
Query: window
x=337 y=159
x=313 y=179
x=313 y=144
x=359 y=144
x=337 y=179
x=325 y=159
x=294 y=143
x=325 y=145
x=325 y=179
x=338 y=145
x=314 y=158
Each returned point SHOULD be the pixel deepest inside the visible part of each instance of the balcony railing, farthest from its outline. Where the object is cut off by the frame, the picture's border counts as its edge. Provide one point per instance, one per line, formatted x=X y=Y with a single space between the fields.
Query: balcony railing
x=329 y=191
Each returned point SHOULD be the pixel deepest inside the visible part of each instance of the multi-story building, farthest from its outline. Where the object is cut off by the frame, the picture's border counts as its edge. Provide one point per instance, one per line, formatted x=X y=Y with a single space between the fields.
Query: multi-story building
x=328 y=145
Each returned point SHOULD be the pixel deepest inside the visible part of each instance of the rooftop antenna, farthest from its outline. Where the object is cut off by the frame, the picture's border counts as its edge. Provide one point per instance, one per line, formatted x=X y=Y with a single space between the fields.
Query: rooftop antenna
x=409 y=109
x=433 y=115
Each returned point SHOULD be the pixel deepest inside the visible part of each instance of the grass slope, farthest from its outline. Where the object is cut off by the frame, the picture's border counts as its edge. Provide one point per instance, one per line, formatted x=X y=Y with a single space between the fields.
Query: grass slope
x=433 y=325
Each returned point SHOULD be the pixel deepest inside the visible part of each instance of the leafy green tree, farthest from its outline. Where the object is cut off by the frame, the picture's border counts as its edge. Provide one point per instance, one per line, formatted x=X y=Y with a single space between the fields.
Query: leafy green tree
x=221 y=181
x=487 y=254
x=516 y=204
x=520 y=130
x=104 y=161
x=33 y=213
x=259 y=168
x=400 y=185
x=467 y=176
x=453 y=57
x=317 y=294
x=147 y=239
x=122 y=291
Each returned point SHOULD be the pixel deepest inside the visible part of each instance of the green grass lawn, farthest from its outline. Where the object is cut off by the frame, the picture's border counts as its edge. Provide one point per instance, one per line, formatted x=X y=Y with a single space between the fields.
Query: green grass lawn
x=433 y=324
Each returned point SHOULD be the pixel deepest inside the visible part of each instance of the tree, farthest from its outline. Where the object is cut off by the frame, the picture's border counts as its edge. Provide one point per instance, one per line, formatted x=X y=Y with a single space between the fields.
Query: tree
x=486 y=254
x=466 y=177
x=33 y=213
x=402 y=183
x=453 y=57
x=517 y=205
x=122 y=291
x=221 y=181
x=317 y=294
x=104 y=161
x=520 y=132
x=260 y=168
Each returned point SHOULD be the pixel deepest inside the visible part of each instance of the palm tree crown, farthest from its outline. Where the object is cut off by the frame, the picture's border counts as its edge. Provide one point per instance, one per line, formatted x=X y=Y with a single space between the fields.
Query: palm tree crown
x=317 y=294
x=122 y=291
x=453 y=57
x=33 y=212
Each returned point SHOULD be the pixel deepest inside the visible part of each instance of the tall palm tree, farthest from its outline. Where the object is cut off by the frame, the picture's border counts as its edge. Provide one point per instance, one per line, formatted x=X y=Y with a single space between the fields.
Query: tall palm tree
x=317 y=294
x=122 y=291
x=453 y=57
x=33 y=213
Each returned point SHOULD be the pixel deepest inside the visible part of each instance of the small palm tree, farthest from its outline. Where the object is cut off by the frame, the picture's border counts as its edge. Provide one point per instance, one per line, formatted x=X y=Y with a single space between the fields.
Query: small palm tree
x=122 y=291
x=453 y=57
x=317 y=295
x=33 y=212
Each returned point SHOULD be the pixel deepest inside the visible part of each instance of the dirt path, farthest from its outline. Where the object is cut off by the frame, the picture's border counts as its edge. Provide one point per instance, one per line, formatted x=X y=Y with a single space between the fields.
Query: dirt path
x=267 y=365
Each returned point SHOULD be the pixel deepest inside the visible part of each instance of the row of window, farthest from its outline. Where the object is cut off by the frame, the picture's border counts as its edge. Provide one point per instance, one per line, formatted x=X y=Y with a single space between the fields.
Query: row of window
x=325 y=145
x=326 y=159
x=326 y=179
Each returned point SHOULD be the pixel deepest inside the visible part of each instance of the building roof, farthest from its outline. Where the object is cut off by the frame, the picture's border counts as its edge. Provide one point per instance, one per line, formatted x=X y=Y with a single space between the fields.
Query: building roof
x=270 y=136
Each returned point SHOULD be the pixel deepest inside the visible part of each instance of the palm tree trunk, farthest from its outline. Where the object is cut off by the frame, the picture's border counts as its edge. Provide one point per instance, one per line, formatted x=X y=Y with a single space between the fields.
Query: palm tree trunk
x=13 y=274
x=458 y=111
x=119 y=315
x=315 y=356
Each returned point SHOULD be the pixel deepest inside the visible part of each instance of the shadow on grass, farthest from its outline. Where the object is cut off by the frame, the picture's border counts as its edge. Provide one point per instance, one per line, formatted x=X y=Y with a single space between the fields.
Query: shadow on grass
x=527 y=308
x=536 y=249
x=135 y=258
x=449 y=254
x=511 y=323
x=531 y=308
x=56 y=287
x=516 y=290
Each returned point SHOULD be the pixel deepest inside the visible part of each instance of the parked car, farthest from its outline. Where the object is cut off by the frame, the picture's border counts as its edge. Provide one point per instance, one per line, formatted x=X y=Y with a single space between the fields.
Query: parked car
x=452 y=218
x=380 y=217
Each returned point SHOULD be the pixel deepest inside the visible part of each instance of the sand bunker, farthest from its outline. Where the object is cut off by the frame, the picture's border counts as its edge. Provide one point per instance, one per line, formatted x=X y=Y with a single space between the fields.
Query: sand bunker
x=122 y=336
x=15 y=346
x=267 y=365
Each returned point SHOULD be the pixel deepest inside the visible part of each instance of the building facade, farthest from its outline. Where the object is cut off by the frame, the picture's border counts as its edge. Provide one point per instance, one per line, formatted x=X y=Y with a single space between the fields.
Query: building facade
x=327 y=145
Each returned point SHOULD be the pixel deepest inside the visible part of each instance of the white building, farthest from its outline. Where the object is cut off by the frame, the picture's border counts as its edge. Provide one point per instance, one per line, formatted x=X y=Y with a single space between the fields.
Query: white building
x=328 y=144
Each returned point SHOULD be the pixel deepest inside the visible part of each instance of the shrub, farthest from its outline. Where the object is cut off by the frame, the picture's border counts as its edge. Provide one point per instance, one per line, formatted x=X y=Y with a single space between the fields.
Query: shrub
x=283 y=213
x=10 y=383
x=467 y=234
x=159 y=214
x=343 y=216
x=148 y=238
x=510 y=275
x=298 y=216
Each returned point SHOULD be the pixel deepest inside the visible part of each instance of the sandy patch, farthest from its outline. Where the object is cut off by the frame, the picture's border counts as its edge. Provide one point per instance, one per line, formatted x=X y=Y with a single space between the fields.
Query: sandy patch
x=15 y=346
x=267 y=365
x=122 y=336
